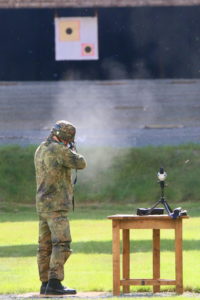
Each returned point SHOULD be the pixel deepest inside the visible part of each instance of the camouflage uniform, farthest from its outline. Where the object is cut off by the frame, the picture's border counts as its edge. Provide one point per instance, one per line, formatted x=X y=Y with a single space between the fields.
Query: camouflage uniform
x=53 y=164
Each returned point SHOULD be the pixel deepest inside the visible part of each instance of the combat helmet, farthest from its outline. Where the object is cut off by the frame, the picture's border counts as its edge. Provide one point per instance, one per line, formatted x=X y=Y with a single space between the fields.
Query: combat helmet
x=64 y=130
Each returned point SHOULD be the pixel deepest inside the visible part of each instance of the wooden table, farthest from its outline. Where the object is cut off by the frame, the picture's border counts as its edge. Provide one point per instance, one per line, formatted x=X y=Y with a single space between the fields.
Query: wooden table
x=156 y=222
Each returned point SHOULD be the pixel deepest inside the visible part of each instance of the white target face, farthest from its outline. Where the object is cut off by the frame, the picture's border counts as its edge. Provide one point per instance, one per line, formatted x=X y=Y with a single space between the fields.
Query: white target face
x=76 y=38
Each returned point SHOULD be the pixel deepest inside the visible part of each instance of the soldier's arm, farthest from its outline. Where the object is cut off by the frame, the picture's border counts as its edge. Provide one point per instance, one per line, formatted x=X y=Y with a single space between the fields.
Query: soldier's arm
x=73 y=160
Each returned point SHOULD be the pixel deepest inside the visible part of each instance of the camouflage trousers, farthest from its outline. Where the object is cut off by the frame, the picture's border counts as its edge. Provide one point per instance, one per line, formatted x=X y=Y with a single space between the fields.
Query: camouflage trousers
x=54 y=245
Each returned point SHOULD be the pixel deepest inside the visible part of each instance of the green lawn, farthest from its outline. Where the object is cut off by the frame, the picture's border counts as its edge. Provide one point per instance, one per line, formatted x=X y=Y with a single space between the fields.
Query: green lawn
x=90 y=266
x=119 y=180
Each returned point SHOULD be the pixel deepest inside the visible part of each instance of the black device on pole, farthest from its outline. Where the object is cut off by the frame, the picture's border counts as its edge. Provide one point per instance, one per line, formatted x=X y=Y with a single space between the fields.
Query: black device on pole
x=177 y=212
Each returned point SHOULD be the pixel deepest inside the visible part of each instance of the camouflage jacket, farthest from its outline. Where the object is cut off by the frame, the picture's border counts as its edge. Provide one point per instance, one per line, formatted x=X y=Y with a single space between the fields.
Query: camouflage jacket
x=53 y=164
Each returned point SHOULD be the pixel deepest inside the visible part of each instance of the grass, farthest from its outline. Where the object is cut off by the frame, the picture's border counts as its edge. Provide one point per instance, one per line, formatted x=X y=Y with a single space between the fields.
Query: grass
x=90 y=266
x=115 y=181
x=114 y=175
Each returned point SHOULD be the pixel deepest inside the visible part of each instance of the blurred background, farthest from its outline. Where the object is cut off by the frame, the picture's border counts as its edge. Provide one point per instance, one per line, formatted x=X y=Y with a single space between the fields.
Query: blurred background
x=143 y=89
x=128 y=80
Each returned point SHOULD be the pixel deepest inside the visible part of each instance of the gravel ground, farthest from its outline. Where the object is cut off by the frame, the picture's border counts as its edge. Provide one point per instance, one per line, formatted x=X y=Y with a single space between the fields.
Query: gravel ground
x=98 y=295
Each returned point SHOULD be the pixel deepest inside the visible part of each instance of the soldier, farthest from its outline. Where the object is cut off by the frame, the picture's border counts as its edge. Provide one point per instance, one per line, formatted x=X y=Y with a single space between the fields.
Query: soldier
x=54 y=160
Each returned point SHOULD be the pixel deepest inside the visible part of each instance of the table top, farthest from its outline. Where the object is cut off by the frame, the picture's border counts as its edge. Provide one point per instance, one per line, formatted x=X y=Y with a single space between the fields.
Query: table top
x=149 y=217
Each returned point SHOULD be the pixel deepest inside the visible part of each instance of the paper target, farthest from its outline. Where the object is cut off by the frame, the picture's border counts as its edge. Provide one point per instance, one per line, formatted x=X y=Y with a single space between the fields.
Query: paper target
x=76 y=38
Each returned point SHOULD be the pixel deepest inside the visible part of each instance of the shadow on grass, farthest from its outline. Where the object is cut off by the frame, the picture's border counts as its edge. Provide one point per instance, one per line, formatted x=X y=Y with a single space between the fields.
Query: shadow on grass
x=101 y=247
x=91 y=212
x=81 y=215
x=86 y=211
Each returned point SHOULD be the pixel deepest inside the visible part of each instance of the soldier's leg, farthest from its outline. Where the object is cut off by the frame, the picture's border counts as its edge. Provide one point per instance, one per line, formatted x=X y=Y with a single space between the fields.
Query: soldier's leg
x=61 y=239
x=44 y=248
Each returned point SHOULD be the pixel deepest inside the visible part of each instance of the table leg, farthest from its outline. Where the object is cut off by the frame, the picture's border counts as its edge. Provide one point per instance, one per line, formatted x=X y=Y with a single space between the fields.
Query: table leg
x=126 y=258
x=116 y=258
x=156 y=258
x=179 y=256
